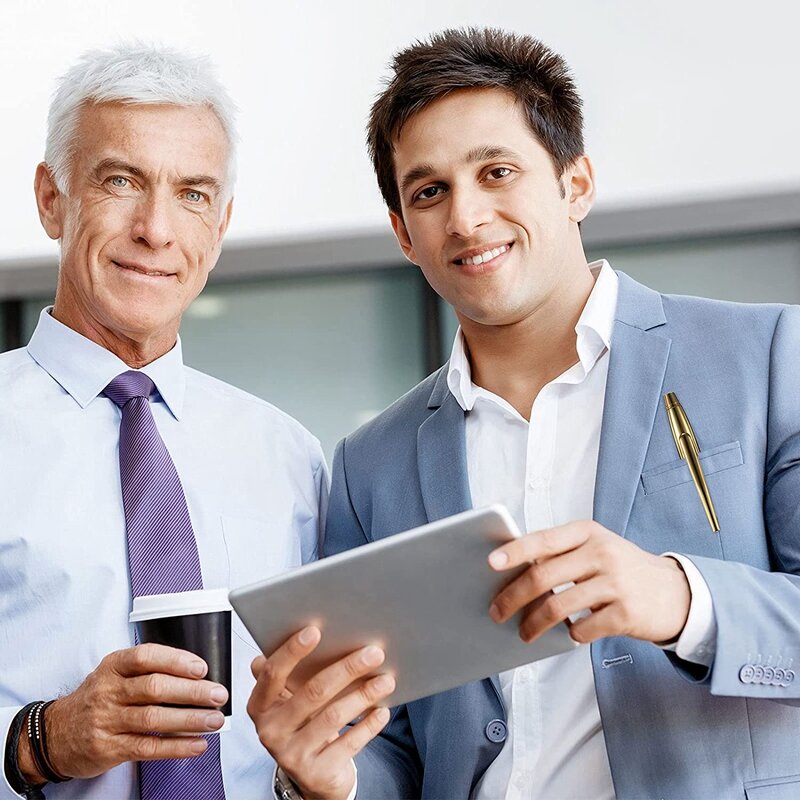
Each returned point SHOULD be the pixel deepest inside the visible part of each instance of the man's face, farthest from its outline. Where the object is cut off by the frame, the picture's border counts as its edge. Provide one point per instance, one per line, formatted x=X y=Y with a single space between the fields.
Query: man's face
x=483 y=212
x=143 y=222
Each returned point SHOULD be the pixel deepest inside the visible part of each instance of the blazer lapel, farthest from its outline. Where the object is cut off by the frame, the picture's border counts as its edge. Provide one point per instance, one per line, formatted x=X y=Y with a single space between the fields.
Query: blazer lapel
x=442 y=464
x=638 y=361
x=442 y=455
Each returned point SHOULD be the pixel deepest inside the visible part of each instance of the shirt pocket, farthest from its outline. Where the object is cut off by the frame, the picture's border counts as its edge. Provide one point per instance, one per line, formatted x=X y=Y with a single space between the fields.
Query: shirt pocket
x=675 y=473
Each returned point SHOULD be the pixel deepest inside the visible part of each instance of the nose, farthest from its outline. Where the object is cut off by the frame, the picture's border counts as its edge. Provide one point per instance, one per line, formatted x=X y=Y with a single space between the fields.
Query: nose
x=154 y=223
x=468 y=211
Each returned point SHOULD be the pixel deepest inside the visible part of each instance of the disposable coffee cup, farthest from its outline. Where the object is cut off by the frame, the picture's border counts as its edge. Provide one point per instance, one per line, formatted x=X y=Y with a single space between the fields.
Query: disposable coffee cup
x=198 y=621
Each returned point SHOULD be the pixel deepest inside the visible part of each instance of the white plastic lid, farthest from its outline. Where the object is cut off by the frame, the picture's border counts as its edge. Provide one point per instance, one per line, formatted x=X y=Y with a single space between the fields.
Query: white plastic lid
x=179 y=604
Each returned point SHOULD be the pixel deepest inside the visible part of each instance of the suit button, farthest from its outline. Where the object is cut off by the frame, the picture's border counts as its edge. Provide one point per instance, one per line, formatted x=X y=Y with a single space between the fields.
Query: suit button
x=746 y=673
x=779 y=678
x=496 y=731
x=769 y=676
x=789 y=677
x=758 y=674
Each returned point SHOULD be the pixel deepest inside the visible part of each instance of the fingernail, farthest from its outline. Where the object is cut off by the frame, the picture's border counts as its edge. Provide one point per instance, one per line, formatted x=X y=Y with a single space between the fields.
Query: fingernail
x=197 y=668
x=382 y=715
x=372 y=656
x=494 y=612
x=199 y=746
x=383 y=683
x=214 y=720
x=219 y=694
x=498 y=559
x=307 y=635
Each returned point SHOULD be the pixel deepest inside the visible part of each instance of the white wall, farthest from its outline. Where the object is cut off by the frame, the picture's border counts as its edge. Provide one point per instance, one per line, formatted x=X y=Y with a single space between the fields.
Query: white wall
x=683 y=99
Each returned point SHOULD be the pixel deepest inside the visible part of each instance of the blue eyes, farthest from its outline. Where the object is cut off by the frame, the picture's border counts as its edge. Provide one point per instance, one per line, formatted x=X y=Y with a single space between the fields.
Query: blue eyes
x=192 y=196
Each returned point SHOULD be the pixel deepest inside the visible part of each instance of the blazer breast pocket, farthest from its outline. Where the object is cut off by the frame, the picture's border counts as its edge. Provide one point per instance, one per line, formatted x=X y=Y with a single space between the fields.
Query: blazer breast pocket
x=675 y=473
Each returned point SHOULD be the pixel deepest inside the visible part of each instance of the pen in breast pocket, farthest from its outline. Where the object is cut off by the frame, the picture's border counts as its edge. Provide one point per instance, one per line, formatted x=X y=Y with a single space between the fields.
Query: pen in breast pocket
x=686 y=442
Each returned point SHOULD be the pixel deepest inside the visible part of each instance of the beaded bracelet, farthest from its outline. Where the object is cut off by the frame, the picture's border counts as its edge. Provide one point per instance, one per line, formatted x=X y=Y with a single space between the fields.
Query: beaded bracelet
x=15 y=777
x=37 y=736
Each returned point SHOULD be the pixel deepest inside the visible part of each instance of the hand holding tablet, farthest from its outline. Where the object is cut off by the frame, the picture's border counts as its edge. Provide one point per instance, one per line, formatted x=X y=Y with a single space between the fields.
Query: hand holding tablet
x=422 y=596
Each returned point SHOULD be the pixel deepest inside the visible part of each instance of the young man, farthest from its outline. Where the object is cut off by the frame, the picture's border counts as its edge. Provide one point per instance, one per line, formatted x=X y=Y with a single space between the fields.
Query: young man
x=552 y=403
x=124 y=472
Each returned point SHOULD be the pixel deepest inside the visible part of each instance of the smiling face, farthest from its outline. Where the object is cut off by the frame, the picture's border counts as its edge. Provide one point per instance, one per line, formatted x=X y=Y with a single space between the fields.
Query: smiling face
x=484 y=215
x=142 y=225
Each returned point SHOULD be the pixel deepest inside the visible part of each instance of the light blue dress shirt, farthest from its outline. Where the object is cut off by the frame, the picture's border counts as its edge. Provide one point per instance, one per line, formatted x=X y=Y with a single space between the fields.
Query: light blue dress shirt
x=255 y=482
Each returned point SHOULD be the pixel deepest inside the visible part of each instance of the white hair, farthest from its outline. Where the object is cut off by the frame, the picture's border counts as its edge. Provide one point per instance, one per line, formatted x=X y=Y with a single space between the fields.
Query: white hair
x=135 y=74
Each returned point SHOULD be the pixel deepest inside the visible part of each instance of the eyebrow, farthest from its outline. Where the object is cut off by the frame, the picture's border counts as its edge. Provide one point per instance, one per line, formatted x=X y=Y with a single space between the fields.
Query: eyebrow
x=474 y=156
x=116 y=165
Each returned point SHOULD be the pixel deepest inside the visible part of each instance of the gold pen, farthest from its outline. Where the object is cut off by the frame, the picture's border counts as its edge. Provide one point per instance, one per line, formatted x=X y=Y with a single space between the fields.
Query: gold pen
x=686 y=442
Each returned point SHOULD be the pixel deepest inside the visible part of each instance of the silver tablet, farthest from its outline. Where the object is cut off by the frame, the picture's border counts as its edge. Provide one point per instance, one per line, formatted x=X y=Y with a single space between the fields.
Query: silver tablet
x=423 y=596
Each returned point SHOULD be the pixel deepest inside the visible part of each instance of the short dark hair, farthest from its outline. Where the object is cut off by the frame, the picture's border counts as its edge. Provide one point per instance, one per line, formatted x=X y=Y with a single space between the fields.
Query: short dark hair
x=471 y=58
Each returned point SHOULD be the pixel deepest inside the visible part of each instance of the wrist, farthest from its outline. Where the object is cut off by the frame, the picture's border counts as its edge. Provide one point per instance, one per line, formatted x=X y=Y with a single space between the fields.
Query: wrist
x=682 y=601
x=27 y=765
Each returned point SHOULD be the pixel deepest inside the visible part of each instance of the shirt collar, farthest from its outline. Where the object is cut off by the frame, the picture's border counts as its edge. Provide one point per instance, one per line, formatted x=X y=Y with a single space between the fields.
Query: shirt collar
x=84 y=369
x=593 y=330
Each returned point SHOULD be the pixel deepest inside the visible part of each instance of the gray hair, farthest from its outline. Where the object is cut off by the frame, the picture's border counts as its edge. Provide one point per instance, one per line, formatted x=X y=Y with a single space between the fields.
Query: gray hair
x=135 y=74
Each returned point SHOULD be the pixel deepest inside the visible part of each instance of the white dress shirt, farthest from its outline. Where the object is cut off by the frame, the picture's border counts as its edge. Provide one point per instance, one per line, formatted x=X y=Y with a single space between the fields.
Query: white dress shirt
x=256 y=485
x=544 y=472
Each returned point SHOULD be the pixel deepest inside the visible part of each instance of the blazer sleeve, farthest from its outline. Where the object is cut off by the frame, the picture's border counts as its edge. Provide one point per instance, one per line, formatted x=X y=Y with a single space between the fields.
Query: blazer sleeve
x=758 y=612
x=389 y=767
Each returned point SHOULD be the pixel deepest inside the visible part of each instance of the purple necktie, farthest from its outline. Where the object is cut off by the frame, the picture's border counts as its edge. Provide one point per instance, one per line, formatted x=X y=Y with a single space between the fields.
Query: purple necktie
x=162 y=557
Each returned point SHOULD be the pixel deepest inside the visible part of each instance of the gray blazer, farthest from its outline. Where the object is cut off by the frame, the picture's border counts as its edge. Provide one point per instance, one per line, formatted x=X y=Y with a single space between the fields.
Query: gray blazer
x=672 y=730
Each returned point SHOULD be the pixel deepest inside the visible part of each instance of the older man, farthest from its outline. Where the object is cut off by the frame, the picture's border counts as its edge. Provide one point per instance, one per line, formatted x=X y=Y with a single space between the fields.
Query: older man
x=136 y=187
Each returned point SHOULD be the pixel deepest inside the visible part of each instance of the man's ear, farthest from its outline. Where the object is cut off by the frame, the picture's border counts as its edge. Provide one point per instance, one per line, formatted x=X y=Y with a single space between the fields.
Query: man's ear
x=580 y=188
x=48 y=201
x=399 y=228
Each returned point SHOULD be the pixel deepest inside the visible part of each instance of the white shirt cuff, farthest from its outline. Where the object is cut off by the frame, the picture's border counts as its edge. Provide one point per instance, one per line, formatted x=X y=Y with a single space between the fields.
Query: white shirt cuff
x=351 y=796
x=698 y=640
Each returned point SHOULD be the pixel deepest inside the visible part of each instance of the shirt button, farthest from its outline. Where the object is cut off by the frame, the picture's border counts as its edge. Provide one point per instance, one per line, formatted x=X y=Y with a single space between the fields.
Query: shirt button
x=496 y=731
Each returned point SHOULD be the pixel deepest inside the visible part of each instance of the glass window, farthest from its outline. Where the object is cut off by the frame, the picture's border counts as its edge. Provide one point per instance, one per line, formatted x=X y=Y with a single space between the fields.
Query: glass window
x=331 y=350
x=762 y=268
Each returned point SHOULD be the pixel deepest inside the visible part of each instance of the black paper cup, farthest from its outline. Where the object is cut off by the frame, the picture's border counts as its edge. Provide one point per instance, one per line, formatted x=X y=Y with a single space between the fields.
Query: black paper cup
x=198 y=621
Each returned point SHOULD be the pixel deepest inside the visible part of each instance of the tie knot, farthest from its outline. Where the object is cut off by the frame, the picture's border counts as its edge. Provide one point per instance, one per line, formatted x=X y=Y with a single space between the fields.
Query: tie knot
x=128 y=385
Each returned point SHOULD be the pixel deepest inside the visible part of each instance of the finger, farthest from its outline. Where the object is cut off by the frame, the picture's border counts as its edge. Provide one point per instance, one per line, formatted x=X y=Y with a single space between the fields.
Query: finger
x=161 y=719
x=325 y=726
x=319 y=690
x=602 y=622
x=354 y=739
x=135 y=747
x=275 y=669
x=539 y=579
x=546 y=612
x=258 y=665
x=540 y=544
x=146 y=658
x=155 y=689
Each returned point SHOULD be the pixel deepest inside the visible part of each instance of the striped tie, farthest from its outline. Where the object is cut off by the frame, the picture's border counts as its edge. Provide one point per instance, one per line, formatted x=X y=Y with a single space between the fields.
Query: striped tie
x=162 y=557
